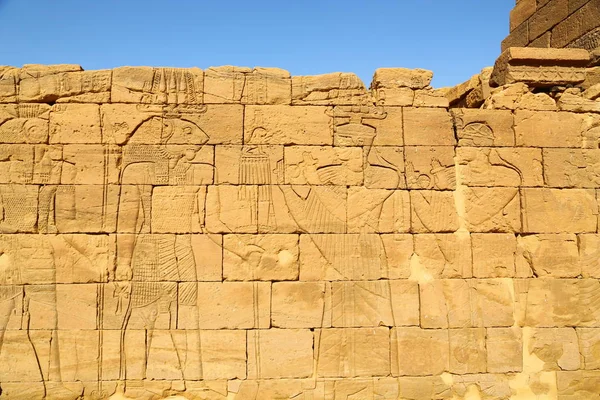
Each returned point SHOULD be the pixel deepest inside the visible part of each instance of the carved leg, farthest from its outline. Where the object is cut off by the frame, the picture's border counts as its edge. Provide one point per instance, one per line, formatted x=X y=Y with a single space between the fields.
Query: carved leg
x=7 y=307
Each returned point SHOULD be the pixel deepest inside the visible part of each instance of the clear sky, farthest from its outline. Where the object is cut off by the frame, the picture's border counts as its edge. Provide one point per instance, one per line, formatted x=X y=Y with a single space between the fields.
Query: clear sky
x=455 y=39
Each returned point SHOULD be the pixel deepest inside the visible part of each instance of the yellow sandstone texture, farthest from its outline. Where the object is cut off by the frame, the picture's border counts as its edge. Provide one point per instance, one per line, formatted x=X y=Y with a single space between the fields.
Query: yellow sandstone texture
x=242 y=234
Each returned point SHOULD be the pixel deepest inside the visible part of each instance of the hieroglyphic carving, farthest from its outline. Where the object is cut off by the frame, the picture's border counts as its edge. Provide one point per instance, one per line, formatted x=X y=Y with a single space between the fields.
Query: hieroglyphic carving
x=157 y=85
x=24 y=123
x=201 y=236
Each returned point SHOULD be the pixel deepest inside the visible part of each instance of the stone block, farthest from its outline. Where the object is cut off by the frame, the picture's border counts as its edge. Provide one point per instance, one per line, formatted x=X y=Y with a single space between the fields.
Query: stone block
x=350 y=352
x=367 y=125
x=433 y=211
x=589 y=343
x=539 y=67
x=559 y=211
x=377 y=211
x=555 y=255
x=421 y=387
x=223 y=354
x=247 y=165
x=428 y=127
x=298 y=304
x=229 y=84
x=430 y=98
x=374 y=303
x=280 y=353
x=20 y=208
x=522 y=11
x=391 y=78
x=24 y=123
x=547 y=16
x=484 y=127
x=430 y=167
x=567 y=30
x=337 y=88
x=467 y=350
x=417 y=351
x=443 y=255
x=557 y=302
x=573 y=384
x=148 y=85
x=553 y=349
x=504 y=350
x=491 y=209
x=491 y=167
x=355 y=256
x=589 y=251
x=234 y=305
x=287 y=125
x=260 y=257
x=76 y=306
x=75 y=123
x=572 y=168
x=385 y=168
x=494 y=255
x=519 y=37
x=551 y=129
x=75 y=86
x=177 y=209
x=9 y=89
x=251 y=209
x=311 y=165
x=458 y=303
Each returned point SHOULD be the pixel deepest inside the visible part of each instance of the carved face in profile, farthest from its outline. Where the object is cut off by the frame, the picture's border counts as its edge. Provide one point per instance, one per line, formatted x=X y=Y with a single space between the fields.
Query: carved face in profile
x=36 y=130
x=180 y=131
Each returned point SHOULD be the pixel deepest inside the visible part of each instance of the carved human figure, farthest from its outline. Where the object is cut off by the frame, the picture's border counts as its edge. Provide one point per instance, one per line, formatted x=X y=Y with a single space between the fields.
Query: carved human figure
x=320 y=207
x=28 y=302
x=488 y=168
x=159 y=270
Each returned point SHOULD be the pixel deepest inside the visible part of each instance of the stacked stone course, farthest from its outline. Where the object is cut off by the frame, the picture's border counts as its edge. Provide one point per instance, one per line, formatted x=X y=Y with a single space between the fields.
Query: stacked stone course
x=554 y=24
x=240 y=233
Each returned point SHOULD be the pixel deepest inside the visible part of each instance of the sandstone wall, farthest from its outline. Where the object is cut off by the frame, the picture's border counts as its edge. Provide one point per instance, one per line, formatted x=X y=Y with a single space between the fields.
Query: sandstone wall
x=242 y=234
x=554 y=23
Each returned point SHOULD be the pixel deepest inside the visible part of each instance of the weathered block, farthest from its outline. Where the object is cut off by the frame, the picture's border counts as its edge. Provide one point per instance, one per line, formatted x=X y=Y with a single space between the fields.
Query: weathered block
x=337 y=88
x=280 y=353
x=490 y=167
x=299 y=304
x=494 y=255
x=554 y=349
x=555 y=255
x=75 y=123
x=558 y=211
x=349 y=352
x=287 y=125
x=234 y=305
x=484 y=127
x=157 y=85
x=450 y=303
x=540 y=67
x=444 y=255
x=355 y=257
x=433 y=211
x=551 y=129
x=504 y=350
x=417 y=351
x=428 y=127
x=260 y=257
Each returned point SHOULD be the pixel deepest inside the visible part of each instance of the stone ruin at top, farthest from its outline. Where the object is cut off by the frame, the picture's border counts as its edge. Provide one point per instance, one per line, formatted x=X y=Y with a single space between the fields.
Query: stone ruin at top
x=238 y=233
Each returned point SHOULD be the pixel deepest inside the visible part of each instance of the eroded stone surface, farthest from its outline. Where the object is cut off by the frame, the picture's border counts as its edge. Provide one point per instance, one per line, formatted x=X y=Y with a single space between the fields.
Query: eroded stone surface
x=240 y=233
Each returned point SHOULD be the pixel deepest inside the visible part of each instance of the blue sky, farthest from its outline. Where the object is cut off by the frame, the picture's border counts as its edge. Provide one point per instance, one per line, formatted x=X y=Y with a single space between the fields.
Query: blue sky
x=455 y=39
